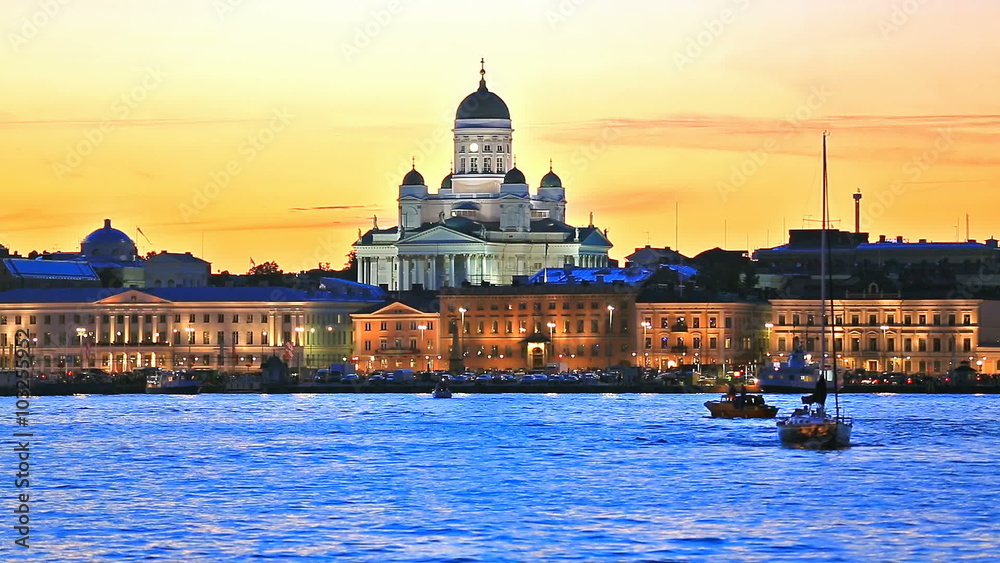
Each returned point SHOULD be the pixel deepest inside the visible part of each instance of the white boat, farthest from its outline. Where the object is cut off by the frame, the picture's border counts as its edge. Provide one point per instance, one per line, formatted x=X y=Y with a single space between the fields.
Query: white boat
x=441 y=390
x=795 y=375
x=812 y=426
x=164 y=382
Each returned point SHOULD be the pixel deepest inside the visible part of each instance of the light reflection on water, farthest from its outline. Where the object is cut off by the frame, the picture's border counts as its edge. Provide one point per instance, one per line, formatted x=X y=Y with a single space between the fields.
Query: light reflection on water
x=506 y=477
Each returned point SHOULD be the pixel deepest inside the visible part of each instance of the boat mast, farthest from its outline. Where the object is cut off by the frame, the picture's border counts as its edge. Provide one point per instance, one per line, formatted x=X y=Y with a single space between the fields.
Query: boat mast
x=824 y=259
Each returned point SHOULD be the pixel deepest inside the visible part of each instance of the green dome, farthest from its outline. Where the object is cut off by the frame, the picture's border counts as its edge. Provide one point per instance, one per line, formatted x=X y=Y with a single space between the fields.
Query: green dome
x=550 y=180
x=514 y=176
x=413 y=178
x=446 y=182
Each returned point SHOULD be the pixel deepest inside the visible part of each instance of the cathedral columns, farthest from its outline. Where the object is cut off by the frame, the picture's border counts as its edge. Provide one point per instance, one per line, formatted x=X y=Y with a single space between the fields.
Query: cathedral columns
x=450 y=268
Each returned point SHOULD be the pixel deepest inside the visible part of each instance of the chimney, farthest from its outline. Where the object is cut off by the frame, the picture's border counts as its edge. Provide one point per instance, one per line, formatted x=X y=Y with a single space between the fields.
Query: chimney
x=922 y=241
x=107 y=223
x=857 y=211
x=881 y=238
x=899 y=239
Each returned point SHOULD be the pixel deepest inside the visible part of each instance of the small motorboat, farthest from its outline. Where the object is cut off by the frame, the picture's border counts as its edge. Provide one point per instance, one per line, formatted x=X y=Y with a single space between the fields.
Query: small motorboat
x=441 y=390
x=741 y=406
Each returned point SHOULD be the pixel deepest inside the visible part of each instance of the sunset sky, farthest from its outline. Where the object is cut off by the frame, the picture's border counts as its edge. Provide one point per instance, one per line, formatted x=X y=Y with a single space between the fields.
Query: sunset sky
x=306 y=115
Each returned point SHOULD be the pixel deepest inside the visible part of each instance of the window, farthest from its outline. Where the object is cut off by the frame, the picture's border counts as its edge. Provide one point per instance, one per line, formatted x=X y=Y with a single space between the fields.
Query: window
x=921 y=345
x=236 y=338
x=236 y=318
x=368 y=344
x=696 y=342
x=509 y=328
x=487 y=165
x=46 y=319
x=810 y=320
x=665 y=322
x=206 y=337
x=31 y=319
x=399 y=325
x=579 y=326
x=966 y=344
x=838 y=345
x=594 y=326
x=781 y=344
x=383 y=326
x=951 y=319
x=665 y=342
x=890 y=319
x=222 y=337
x=3 y=320
x=922 y=320
x=713 y=342
x=461 y=148
x=696 y=322
x=249 y=338
x=855 y=345
x=495 y=327
x=873 y=344
x=937 y=319
x=648 y=344
x=479 y=327
x=567 y=325
x=552 y=305
x=729 y=343
x=430 y=325
x=461 y=164
x=711 y=323
x=263 y=318
x=936 y=345
x=967 y=319
x=368 y=326
x=890 y=345
x=907 y=344
x=263 y=339
x=907 y=319
x=499 y=148
x=729 y=322
x=486 y=148
x=474 y=165
x=781 y=319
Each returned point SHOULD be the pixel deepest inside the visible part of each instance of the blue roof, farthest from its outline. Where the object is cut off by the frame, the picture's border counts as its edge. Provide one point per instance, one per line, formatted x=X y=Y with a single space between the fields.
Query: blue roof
x=195 y=294
x=631 y=276
x=685 y=272
x=50 y=269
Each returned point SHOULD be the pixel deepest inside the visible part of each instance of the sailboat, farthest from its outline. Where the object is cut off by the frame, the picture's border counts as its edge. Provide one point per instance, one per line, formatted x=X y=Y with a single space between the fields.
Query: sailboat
x=812 y=426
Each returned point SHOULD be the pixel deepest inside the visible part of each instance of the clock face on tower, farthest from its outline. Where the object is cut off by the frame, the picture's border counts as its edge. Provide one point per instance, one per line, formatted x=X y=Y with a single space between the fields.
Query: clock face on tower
x=474 y=147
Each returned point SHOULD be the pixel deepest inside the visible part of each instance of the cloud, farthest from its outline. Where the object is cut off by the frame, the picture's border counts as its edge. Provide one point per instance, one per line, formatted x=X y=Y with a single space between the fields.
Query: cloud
x=333 y=207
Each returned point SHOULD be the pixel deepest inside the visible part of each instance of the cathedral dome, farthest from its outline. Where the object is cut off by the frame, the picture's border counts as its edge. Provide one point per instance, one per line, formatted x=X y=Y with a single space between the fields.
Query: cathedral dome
x=550 y=180
x=413 y=178
x=514 y=176
x=482 y=104
x=446 y=182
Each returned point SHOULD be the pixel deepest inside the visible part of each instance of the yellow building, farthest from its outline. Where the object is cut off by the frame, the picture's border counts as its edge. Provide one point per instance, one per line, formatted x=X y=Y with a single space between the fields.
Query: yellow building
x=565 y=326
x=224 y=328
x=717 y=336
x=397 y=336
x=883 y=332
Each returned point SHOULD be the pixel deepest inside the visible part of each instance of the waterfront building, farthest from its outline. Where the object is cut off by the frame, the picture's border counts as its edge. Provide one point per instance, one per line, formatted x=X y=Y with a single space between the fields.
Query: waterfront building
x=717 y=333
x=570 y=326
x=224 y=328
x=884 y=332
x=175 y=269
x=401 y=334
x=484 y=224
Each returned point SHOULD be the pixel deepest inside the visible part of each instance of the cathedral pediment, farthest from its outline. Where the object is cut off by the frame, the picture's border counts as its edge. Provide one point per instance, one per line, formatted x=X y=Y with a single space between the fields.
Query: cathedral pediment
x=438 y=235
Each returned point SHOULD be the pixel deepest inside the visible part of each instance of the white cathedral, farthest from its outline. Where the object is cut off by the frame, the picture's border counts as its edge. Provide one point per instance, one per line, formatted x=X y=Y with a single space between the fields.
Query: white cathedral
x=483 y=225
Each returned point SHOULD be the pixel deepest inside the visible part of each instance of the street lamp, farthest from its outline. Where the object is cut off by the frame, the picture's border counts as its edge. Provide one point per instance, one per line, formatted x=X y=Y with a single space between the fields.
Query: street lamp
x=884 y=361
x=768 y=326
x=611 y=313
x=118 y=336
x=263 y=342
x=422 y=329
x=190 y=338
x=80 y=332
x=462 y=310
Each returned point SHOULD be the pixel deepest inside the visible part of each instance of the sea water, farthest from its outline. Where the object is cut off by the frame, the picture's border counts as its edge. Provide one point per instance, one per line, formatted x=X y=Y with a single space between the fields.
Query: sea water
x=541 y=477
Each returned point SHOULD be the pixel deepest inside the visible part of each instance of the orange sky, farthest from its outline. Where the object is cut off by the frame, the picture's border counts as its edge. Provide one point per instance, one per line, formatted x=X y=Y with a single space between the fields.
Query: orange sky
x=129 y=109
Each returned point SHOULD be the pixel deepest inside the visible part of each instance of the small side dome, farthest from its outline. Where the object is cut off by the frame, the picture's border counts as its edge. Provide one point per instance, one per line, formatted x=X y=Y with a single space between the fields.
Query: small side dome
x=413 y=178
x=446 y=183
x=550 y=180
x=514 y=176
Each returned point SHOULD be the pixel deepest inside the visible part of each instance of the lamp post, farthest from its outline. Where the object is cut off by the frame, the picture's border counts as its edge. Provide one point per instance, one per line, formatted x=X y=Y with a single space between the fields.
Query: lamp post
x=114 y=360
x=190 y=337
x=767 y=349
x=461 y=334
x=80 y=332
x=884 y=360
x=646 y=325
x=263 y=343
x=422 y=329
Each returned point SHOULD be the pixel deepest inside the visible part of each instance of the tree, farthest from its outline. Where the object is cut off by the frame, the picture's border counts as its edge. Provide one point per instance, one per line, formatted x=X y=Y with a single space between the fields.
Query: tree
x=264 y=269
